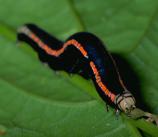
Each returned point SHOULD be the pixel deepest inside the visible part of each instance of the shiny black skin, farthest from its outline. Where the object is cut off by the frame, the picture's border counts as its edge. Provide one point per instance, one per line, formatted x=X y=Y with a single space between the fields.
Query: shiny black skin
x=72 y=61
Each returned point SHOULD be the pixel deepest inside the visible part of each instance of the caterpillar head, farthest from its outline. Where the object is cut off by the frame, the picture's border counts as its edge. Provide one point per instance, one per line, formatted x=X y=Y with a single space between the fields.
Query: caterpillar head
x=125 y=102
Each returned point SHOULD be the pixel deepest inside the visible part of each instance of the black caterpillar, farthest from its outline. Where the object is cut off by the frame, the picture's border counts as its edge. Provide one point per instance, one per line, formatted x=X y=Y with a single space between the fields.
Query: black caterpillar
x=82 y=53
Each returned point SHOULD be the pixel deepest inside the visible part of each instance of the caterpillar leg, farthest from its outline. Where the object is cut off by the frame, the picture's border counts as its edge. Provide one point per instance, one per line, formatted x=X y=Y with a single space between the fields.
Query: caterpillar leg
x=117 y=113
x=84 y=75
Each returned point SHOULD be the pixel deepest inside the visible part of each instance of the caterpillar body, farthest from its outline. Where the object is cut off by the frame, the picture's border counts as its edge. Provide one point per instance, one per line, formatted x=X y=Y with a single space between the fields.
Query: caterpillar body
x=82 y=53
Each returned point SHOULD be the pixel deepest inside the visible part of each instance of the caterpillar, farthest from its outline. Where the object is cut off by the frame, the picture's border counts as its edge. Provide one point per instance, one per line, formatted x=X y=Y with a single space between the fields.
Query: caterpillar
x=84 y=54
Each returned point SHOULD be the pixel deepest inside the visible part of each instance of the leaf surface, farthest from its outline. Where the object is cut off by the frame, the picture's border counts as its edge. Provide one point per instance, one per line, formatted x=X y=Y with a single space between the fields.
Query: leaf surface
x=37 y=102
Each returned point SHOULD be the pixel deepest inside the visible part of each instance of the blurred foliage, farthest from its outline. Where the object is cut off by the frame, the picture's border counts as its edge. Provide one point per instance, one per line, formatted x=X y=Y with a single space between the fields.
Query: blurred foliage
x=36 y=102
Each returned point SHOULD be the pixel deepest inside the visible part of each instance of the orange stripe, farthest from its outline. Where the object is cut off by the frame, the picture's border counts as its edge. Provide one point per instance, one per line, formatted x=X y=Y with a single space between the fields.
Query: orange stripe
x=60 y=51
x=79 y=47
x=100 y=83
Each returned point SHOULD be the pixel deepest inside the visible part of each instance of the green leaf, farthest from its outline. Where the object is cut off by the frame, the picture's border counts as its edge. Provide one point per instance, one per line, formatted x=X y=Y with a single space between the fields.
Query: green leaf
x=32 y=101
